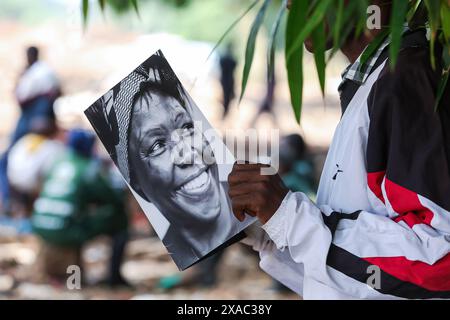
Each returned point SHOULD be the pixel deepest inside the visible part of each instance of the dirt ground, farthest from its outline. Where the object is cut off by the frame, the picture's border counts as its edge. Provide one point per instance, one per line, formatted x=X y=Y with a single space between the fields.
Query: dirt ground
x=146 y=262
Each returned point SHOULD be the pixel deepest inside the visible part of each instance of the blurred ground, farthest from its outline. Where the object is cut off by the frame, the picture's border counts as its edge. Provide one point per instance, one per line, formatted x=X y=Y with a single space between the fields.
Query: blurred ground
x=146 y=262
x=88 y=64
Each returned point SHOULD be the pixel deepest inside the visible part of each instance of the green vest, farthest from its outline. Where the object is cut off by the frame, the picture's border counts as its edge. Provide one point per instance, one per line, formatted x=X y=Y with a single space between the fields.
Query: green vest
x=74 y=184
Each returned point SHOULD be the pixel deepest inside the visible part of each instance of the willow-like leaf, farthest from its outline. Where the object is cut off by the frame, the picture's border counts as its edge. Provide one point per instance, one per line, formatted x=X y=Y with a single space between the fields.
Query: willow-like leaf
x=361 y=16
x=272 y=41
x=136 y=7
x=413 y=9
x=399 y=11
x=101 y=4
x=231 y=27
x=349 y=22
x=445 y=20
x=433 y=7
x=441 y=89
x=312 y=22
x=373 y=47
x=338 y=23
x=312 y=6
x=445 y=74
x=319 y=42
x=250 y=48
x=294 y=57
x=85 y=10
x=446 y=57
x=345 y=33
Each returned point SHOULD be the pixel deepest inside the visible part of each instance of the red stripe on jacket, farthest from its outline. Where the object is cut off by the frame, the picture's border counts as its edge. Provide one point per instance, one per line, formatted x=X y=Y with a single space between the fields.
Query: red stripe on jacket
x=434 y=277
x=406 y=203
x=374 y=181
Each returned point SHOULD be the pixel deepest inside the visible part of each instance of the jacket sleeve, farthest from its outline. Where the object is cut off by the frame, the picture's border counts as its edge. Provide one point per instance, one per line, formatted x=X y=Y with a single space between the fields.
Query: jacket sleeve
x=407 y=249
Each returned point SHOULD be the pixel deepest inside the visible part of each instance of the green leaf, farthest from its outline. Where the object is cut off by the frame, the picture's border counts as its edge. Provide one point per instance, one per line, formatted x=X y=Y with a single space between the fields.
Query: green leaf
x=136 y=8
x=433 y=7
x=445 y=75
x=338 y=23
x=442 y=86
x=101 y=3
x=345 y=33
x=312 y=22
x=361 y=16
x=250 y=48
x=349 y=23
x=312 y=6
x=373 y=47
x=413 y=9
x=294 y=54
x=399 y=11
x=445 y=18
x=272 y=41
x=85 y=10
x=319 y=42
x=231 y=27
x=446 y=57
x=417 y=16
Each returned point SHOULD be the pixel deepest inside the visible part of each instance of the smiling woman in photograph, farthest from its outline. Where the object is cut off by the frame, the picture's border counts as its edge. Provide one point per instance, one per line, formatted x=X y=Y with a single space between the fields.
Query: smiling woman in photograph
x=158 y=155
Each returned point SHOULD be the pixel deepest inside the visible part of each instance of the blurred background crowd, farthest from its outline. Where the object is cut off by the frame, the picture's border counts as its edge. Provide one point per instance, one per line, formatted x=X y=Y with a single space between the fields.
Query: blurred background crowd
x=62 y=201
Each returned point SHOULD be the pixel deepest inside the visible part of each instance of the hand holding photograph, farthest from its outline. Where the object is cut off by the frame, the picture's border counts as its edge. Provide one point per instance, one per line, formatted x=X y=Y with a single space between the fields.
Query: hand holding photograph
x=147 y=124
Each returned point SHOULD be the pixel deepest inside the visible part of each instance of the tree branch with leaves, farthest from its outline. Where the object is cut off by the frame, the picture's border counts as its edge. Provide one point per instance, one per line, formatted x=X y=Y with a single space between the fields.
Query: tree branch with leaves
x=308 y=19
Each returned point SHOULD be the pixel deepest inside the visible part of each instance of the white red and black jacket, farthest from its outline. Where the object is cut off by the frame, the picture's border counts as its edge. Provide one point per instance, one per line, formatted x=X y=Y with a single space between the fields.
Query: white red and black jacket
x=383 y=199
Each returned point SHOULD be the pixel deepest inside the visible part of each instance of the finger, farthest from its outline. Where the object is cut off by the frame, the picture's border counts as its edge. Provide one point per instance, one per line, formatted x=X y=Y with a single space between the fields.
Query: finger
x=246 y=188
x=239 y=214
x=238 y=210
x=246 y=177
x=241 y=205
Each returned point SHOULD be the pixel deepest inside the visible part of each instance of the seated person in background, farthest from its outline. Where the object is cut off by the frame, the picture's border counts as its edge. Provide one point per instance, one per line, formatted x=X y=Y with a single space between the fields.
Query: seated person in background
x=29 y=161
x=78 y=203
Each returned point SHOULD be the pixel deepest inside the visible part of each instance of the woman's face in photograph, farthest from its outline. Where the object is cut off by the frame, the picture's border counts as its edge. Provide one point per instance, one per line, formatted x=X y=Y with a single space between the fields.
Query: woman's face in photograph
x=184 y=190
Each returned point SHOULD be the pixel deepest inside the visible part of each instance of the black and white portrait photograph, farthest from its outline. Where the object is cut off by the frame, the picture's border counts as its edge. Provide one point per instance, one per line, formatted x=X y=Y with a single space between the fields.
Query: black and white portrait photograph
x=149 y=126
